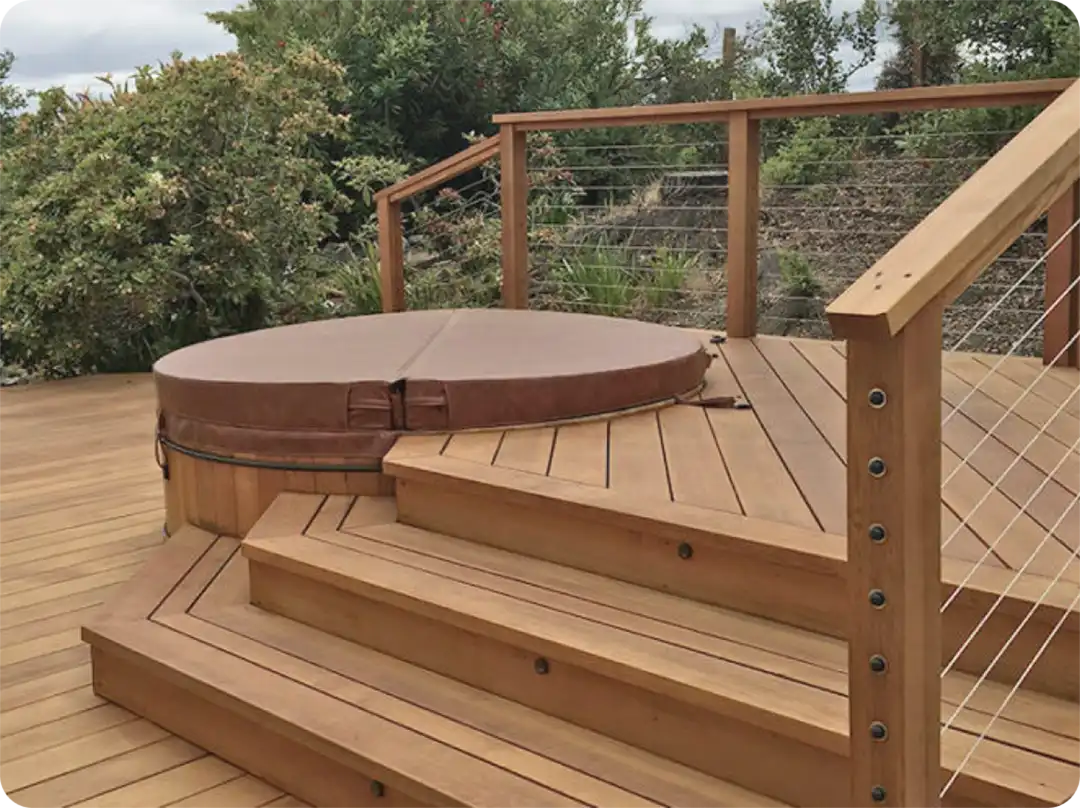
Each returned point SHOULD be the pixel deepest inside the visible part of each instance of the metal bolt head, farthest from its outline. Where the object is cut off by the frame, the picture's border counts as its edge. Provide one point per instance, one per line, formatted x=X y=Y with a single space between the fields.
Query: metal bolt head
x=878 y=731
x=877 y=794
x=878 y=663
x=876 y=467
x=686 y=550
x=377 y=788
x=541 y=666
x=877 y=533
x=877 y=398
x=877 y=598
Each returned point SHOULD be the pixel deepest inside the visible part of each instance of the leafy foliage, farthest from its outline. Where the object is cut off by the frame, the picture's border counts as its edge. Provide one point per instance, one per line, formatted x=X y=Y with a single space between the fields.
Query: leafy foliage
x=799 y=45
x=12 y=99
x=810 y=155
x=420 y=73
x=189 y=208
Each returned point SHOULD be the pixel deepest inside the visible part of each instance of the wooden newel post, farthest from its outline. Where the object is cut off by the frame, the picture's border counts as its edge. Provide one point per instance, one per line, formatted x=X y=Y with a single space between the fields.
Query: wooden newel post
x=894 y=564
x=391 y=255
x=1060 y=343
x=744 y=157
x=514 y=187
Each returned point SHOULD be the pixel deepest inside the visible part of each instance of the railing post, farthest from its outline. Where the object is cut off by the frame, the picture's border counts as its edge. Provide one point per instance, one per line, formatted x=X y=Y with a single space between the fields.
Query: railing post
x=744 y=157
x=894 y=563
x=391 y=255
x=514 y=187
x=1062 y=268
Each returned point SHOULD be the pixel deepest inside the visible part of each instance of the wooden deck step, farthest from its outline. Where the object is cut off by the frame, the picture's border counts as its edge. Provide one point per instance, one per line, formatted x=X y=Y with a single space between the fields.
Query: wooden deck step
x=771 y=570
x=337 y=724
x=734 y=696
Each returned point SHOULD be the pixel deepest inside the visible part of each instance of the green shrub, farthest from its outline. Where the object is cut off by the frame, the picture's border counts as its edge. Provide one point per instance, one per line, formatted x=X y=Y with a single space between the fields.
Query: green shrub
x=188 y=209
x=595 y=281
x=797 y=276
x=810 y=156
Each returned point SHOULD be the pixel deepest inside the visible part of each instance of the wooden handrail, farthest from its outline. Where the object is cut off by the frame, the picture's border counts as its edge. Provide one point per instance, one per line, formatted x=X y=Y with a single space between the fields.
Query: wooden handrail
x=956 y=96
x=388 y=208
x=443 y=171
x=948 y=250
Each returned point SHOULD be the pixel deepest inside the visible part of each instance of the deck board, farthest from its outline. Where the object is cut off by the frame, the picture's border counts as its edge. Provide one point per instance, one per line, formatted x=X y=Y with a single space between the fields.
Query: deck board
x=581 y=453
x=80 y=511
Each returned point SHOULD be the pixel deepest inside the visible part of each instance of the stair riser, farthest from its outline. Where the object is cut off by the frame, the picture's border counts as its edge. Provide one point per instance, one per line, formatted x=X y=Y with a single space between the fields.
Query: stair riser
x=258 y=749
x=797 y=591
x=735 y=750
x=793 y=594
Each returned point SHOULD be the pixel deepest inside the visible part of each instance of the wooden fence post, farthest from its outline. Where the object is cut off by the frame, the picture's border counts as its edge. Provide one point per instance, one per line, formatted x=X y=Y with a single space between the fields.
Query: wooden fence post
x=744 y=157
x=894 y=564
x=728 y=59
x=514 y=188
x=391 y=255
x=1062 y=268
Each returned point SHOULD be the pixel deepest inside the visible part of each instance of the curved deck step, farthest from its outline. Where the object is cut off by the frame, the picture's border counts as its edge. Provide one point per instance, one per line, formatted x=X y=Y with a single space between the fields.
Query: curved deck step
x=633 y=663
x=337 y=724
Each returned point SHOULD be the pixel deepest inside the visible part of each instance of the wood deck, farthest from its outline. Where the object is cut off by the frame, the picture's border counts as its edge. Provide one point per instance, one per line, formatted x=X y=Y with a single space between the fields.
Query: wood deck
x=71 y=534
x=784 y=460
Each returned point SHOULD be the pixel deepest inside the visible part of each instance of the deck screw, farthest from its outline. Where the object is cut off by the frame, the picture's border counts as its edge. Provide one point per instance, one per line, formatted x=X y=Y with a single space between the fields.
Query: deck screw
x=377 y=788
x=686 y=550
x=877 y=598
x=877 y=794
x=877 y=467
x=878 y=731
x=877 y=398
x=878 y=663
x=541 y=666
x=877 y=533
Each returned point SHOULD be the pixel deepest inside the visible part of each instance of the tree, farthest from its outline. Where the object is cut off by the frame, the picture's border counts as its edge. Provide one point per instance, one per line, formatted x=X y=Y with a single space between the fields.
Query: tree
x=994 y=40
x=799 y=42
x=423 y=73
x=189 y=208
x=12 y=99
x=926 y=54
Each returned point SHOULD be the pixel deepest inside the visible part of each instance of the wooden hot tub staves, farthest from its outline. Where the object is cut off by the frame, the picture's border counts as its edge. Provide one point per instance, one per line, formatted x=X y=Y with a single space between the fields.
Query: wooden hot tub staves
x=227 y=498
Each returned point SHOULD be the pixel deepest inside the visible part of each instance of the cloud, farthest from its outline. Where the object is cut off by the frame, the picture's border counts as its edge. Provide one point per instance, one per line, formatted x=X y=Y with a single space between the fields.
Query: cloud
x=69 y=42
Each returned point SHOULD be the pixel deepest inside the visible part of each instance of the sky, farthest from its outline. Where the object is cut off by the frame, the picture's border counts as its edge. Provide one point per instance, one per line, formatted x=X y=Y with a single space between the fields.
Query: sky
x=69 y=42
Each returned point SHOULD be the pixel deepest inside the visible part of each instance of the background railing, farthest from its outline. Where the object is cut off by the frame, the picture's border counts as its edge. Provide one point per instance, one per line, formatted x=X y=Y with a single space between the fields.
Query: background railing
x=709 y=215
x=1003 y=460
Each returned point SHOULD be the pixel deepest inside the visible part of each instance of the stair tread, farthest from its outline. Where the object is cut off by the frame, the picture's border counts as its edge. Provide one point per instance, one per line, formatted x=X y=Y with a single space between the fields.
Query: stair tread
x=785 y=650
x=789 y=680
x=412 y=744
x=456 y=744
x=573 y=752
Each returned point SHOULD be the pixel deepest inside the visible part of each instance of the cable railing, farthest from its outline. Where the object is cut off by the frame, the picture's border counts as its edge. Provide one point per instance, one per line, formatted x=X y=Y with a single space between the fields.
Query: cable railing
x=955 y=429
x=599 y=177
x=980 y=449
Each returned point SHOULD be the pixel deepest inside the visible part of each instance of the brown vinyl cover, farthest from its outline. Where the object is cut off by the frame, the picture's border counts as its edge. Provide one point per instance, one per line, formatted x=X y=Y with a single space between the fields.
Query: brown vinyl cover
x=346 y=388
